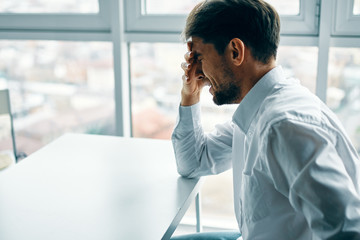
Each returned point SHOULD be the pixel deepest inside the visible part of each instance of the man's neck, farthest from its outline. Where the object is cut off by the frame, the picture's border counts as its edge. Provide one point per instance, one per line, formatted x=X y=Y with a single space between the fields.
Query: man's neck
x=252 y=72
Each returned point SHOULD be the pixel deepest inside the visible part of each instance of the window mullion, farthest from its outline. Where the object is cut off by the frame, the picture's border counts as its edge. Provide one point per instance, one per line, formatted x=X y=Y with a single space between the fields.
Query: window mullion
x=324 y=44
x=121 y=71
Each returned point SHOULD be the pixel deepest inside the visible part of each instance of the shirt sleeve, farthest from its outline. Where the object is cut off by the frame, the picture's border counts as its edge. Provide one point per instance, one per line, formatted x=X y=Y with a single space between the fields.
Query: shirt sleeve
x=199 y=154
x=306 y=167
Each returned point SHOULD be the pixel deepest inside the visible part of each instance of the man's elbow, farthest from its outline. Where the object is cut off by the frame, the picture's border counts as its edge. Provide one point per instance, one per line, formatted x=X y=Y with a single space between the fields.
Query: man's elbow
x=186 y=173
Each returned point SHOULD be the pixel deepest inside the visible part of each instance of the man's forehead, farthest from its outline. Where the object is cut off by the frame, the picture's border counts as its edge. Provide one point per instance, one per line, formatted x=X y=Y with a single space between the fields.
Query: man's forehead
x=195 y=44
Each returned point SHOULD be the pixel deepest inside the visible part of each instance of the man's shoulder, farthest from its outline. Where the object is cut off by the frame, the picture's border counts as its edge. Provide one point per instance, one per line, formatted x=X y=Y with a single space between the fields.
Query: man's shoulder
x=290 y=103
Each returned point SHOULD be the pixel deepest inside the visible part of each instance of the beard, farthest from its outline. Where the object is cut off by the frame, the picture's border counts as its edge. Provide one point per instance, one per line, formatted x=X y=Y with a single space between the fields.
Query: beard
x=227 y=92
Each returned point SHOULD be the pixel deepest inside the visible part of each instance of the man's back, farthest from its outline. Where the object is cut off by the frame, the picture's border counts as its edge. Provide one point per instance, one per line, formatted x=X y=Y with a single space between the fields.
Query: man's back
x=300 y=173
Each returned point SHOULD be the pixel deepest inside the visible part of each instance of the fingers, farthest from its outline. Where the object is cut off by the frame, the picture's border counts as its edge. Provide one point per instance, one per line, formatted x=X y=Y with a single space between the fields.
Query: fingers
x=185 y=66
x=190 y=66
x=189 y=56
x=193 y=73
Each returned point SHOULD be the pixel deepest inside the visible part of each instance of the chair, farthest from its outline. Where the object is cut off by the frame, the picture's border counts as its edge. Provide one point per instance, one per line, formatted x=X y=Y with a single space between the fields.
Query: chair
x=5 y=109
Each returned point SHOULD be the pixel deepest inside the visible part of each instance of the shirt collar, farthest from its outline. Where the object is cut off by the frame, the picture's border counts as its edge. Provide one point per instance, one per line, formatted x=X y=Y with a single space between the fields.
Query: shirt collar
x=250 y=104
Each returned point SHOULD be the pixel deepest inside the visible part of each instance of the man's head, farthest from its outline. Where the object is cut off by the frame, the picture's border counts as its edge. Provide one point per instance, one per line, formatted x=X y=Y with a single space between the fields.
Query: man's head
x=254 y=22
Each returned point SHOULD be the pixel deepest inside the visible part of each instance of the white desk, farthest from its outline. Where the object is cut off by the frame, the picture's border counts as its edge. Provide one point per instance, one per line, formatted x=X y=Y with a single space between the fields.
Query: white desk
x=84 y=187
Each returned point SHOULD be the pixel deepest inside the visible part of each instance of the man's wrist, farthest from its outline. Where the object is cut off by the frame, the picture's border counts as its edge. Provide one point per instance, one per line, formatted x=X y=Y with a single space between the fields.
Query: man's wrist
x=189 y=100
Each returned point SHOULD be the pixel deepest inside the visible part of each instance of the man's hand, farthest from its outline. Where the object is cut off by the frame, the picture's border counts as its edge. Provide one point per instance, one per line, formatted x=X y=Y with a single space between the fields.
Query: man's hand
x=193 y=79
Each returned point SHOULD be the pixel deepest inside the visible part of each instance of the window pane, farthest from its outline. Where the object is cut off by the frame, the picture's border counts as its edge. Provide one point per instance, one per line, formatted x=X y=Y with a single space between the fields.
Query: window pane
x=169 y=7
x=284 y=7
x=45 y=6
x=356 y=10
x=343 y=93
x=155 y=84
x=300 y=63
x=57 y=87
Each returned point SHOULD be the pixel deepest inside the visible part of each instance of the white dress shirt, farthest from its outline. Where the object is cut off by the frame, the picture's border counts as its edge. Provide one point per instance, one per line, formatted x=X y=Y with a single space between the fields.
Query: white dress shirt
x=296 y=173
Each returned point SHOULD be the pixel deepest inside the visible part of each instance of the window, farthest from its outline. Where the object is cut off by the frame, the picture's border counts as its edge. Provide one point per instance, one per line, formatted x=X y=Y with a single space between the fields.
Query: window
x=23 y=18
x=286 y=7
x=295 y=59
x=343 y=93
x=169 y=16
x=43 y=6
x=58 y=87
x=168 y=7
x=155 y=81
x=347 y=18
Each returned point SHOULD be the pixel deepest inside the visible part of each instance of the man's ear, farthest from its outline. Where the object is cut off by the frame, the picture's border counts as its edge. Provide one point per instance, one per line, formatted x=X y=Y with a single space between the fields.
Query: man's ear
x=237 y=51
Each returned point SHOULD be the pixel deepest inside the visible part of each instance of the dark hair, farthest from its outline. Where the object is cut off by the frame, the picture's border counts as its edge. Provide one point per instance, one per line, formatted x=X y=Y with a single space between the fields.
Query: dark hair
x=255 y=22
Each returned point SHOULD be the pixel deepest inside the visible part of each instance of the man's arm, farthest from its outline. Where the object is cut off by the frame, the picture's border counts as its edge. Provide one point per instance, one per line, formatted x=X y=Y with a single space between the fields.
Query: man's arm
x=307 y=168
x=198 y=154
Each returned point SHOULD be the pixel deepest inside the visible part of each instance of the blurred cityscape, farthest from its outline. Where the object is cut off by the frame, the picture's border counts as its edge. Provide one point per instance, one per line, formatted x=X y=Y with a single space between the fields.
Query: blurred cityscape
x=343 y=93
x=57 y=87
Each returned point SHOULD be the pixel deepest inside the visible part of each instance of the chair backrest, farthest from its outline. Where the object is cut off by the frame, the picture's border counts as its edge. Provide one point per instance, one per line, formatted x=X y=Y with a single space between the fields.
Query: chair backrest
x=4 y=102
x=6 y=109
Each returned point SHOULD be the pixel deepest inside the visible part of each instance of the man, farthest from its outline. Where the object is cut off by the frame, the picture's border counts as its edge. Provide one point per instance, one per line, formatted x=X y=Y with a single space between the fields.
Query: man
x=296 y=174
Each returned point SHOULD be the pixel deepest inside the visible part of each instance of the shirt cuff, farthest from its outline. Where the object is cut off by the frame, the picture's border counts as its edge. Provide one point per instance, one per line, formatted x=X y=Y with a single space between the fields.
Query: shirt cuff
x=189 y=116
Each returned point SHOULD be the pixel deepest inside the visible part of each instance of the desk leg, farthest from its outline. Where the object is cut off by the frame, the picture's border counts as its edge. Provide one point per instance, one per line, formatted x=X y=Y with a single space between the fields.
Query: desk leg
x=198 y=213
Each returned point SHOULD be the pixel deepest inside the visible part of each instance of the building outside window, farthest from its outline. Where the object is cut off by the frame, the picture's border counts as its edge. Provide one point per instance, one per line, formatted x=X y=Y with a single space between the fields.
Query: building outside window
x=343 y=93
x=57 y=87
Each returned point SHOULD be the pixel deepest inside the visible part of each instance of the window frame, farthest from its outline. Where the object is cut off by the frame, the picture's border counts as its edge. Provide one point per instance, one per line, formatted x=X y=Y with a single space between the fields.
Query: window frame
x=54 y=26
x=345 y=23
x=303 y=24
x=106 y=25
x=121 y=22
